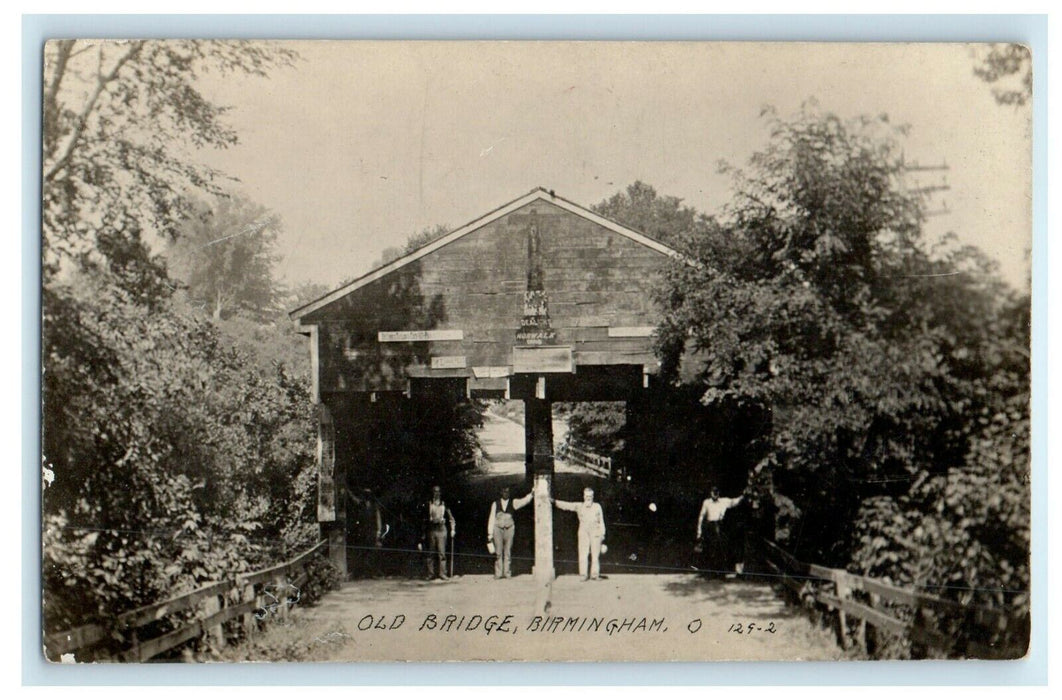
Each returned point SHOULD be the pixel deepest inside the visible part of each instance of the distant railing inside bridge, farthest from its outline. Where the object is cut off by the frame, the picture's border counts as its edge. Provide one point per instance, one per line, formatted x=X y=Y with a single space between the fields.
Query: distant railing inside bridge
x=857 y=602
x=144 y=633
x=584 y=458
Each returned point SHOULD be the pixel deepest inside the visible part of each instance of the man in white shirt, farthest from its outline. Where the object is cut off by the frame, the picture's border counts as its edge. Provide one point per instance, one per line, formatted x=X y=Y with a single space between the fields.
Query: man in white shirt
x=501 y=528
x=591 y=531
x=713 y=509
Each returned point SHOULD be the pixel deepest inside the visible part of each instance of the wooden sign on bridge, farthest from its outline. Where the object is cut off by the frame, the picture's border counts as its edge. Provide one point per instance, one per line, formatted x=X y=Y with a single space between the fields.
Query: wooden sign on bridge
x=539 y=300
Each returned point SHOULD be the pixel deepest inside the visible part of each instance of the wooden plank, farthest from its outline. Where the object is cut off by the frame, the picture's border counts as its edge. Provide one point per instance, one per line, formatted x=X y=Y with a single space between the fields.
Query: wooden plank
x=894 y=594
x=86 y=635
x=448 y=361
x=142 y=616
x=418 y=336
x=826 y=573
x=487 y=384
x=608 y=357
x=792 y=564
x=864 y=612
x=794 y=585
x=544 y=358
x=154 y=647
x=631 y=331
x=581 y=321
x=491 y=371
x=76 y=638
x=422 y=372
x=281 y=569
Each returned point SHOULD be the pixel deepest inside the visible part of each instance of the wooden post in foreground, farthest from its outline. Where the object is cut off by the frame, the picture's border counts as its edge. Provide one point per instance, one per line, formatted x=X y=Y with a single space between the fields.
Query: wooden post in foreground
x=842 y=619
x=538 y=426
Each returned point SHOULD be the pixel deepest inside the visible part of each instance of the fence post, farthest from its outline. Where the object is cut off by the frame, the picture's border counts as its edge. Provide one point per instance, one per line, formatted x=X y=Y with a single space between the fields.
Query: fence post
x=134 y=648
x=870 y=639
x=280 y=585
x=248 y=596
x=214 y=604
x=861 y=636
x=842 y=622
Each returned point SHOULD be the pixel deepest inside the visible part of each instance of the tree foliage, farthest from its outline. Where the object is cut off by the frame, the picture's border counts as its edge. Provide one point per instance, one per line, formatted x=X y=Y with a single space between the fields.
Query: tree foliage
x=895 y=374
x=178 y=449
x=1009 y=68
x=176 y=457
x=662 y=217
x=417 y=240
x=122 y=121
x=225 y=256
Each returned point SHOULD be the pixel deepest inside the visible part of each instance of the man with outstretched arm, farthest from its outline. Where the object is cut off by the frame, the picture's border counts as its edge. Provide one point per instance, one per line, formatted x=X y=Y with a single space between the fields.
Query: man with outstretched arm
x=712 y=510
x=591 y=531
x=501 y=528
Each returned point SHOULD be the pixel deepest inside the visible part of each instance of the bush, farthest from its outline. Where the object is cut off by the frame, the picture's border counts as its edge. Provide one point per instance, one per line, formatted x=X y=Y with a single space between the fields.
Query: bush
x=177 y=458
x=322 y=577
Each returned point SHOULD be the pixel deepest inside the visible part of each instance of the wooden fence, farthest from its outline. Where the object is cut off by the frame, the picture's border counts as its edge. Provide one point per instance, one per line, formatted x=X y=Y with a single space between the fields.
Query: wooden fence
x=594 y=462
x=869 y=602
x=133 y=635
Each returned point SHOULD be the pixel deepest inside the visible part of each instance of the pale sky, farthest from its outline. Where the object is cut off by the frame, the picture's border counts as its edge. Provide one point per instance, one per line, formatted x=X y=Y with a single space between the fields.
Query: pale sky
x=364 y=143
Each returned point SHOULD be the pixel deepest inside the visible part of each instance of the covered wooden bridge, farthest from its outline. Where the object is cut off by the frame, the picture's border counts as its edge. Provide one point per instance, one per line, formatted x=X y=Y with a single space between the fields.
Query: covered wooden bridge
x=540 y=300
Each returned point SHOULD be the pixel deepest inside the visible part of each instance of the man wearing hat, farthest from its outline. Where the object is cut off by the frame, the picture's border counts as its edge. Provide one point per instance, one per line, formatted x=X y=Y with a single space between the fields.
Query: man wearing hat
x=437 y=517
x=501 y=528
x=712 y=510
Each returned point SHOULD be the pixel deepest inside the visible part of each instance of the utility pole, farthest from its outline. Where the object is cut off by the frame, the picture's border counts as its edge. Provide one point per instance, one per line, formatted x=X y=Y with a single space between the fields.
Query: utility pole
x=928 y=190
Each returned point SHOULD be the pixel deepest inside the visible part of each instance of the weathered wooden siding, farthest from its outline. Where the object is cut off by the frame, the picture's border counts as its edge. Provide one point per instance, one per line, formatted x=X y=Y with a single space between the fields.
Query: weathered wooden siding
x=595 y=278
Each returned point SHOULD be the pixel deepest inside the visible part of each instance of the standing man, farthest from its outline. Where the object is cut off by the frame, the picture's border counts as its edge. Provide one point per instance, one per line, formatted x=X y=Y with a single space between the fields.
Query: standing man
x=713 y=509
x=591 y=531
x=501 y=528
x=438 y=515
x=368 y=533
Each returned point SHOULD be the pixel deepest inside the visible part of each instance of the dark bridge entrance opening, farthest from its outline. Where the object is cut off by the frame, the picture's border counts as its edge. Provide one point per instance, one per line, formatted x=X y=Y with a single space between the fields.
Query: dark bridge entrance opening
x=540 y=301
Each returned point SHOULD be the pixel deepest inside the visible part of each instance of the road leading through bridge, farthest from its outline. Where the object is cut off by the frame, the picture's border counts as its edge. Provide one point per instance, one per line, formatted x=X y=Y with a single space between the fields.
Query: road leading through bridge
x=662 y=617
x=646 y=617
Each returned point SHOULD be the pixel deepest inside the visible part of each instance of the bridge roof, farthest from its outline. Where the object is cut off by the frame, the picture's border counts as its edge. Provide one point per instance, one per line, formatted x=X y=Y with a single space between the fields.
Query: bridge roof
x=539 y=193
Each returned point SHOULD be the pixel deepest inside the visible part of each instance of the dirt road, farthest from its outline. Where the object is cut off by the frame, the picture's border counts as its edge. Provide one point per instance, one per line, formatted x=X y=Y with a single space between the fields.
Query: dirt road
x=502 y=442
x=625 y=617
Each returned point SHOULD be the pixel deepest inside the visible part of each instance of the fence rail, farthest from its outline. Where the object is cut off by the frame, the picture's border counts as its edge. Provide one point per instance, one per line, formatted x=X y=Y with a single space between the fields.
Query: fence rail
x=872 y=602
x=245 y=596
x=594 y=462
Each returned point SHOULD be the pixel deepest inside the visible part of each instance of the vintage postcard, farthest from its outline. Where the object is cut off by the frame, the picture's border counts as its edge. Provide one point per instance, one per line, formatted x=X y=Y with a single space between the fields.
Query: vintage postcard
x=535 y=351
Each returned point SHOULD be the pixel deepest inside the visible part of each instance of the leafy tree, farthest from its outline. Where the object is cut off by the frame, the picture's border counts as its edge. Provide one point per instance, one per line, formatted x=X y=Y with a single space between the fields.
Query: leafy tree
x=122 y=120
x=882 y=364
x=177 y=459
x=597 y=425
x=181 y=449
x=664 y=218
x=417 y=240
x=225 y=255
x=305 y=292
x=1010 y=66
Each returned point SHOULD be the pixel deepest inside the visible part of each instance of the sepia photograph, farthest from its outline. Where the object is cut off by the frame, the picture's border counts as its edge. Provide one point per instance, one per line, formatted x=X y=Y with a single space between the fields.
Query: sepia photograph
x=643 y=351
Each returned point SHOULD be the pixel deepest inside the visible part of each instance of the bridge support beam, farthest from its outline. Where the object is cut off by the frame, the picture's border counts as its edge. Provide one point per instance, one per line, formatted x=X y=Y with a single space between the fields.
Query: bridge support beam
x=538 y=433
x=331 y=506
